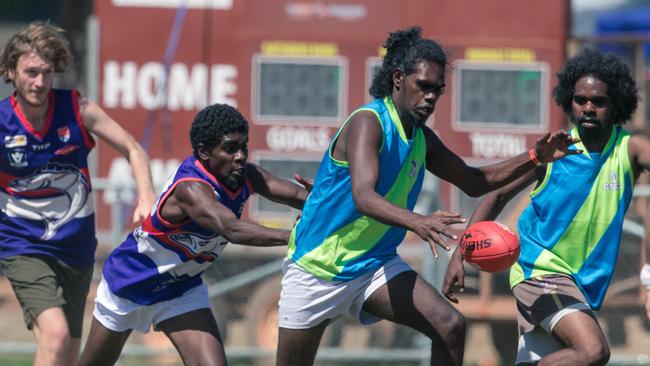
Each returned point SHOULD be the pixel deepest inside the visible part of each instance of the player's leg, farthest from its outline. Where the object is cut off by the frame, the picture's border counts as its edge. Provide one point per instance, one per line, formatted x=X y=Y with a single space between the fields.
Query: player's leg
x=114 y=318
x=190 y=325
x=52 y=337
x=103 y=346
x=586 y=344
x=40 y=295
x=307 y=304
x=196 y=337
x=73 y=351
x=298 y=347
x=556 y=324
x=409 y=300
x=75 y=283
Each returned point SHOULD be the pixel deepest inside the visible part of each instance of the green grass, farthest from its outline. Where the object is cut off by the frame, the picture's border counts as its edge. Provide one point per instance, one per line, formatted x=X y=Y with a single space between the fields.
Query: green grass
x=15 y=360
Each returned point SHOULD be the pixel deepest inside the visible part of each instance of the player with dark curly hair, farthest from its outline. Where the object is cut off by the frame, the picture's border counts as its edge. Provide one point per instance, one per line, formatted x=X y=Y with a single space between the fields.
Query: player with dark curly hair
x=403 y=51
x=571 y=231
x=609 y=69
x=211 y=124
x=342 y=256
x=154 y=276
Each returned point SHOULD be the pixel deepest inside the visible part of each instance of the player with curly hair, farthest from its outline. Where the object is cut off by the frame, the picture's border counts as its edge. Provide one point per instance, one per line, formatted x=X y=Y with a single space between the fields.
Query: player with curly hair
x=47 y=223
x=342 y=257
x=571 y=231
x=154 y=276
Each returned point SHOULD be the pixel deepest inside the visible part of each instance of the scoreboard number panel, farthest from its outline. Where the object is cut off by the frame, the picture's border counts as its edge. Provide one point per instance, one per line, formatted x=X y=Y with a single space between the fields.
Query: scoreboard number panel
x=500 y=95
x=282 y=166
x=299 y=90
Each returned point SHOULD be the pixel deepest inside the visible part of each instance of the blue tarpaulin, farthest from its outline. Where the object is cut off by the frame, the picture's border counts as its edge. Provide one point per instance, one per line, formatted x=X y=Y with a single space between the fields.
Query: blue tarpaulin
x=630 y=21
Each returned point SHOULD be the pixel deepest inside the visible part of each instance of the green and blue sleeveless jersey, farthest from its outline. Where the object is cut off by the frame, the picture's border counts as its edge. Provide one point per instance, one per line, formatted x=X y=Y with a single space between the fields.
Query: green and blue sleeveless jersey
x=333 y=240
x=574 y=221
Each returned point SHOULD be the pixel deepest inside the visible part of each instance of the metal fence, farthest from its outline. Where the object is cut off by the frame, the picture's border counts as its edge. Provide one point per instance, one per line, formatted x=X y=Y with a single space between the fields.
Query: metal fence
x=384 y=345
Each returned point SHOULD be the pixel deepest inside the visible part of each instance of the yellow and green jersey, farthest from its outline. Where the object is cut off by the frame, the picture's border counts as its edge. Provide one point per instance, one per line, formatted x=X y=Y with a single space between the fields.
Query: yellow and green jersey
x=333 y=240
x=574 y=221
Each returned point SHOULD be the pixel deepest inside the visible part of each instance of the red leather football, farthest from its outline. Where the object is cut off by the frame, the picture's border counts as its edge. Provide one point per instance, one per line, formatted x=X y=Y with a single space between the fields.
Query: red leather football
x=490 y=246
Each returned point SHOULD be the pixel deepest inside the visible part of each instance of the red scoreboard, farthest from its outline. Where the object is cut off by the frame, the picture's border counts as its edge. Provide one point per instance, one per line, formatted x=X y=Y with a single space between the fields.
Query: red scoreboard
x=295 y=69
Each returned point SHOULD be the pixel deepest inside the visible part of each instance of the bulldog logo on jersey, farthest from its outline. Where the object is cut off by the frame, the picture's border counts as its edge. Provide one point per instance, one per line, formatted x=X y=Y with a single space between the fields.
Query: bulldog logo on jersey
x=64 y=134
x=197 y=244
x=54 y=195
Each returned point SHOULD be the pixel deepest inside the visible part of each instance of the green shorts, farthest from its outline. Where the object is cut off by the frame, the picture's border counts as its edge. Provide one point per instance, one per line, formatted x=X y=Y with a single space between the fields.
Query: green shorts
x=42 y=282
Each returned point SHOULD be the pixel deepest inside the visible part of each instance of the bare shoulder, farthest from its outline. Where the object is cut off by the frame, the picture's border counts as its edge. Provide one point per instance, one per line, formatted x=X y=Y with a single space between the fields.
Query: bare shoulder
x=193 y=191
x=363 y=122
x=363 y=119
x=638 y=144
x=638 y=149
x=83 y=102
x=363 y=128
x=430 y=136
x=186 y=195
x=86 y=104
x=436 y=149
x=89 y=110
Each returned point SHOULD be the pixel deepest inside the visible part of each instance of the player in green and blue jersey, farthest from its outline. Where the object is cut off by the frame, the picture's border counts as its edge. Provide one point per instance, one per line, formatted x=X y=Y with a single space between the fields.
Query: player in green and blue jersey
x=342 y=256
x=571 y=231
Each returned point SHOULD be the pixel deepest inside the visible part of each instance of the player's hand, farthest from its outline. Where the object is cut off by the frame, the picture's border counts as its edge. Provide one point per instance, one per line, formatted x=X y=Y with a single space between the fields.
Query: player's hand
x=307 y=183
x=647 y=304
x=432 y=228
x=455 y=275
x=141 y=212
x=551 y=147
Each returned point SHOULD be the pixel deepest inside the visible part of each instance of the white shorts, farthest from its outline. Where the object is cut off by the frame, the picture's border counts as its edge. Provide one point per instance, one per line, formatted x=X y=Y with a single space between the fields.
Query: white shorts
x=307 y=300
x=119 y=314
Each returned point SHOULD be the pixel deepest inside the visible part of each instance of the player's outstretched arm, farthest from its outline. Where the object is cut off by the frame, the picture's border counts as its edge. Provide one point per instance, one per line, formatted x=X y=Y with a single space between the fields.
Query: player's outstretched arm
x=195 y=200
x=476 y=181
x=103 y=126
x=276 y=189
x=487 y=210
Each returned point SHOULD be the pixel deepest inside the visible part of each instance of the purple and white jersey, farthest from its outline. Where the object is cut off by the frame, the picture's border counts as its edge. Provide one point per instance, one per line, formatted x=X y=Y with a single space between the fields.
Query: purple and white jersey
x=45 y=192
x=159 y=260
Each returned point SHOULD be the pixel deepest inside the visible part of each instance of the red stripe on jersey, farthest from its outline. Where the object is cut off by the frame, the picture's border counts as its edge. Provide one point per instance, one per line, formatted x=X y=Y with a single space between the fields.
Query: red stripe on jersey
x=28 y=126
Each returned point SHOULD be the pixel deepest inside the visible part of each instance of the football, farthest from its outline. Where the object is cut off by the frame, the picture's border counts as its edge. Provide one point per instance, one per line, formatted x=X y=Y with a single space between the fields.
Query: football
x=489 y=246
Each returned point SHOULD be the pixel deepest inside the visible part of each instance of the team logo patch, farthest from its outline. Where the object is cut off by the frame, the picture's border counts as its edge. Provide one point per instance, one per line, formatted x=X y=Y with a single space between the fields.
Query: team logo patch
x=547 y=284
x=414 y=165
x=15 y=141
x=17 y=157
x=64 y=134
x=613 y=184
